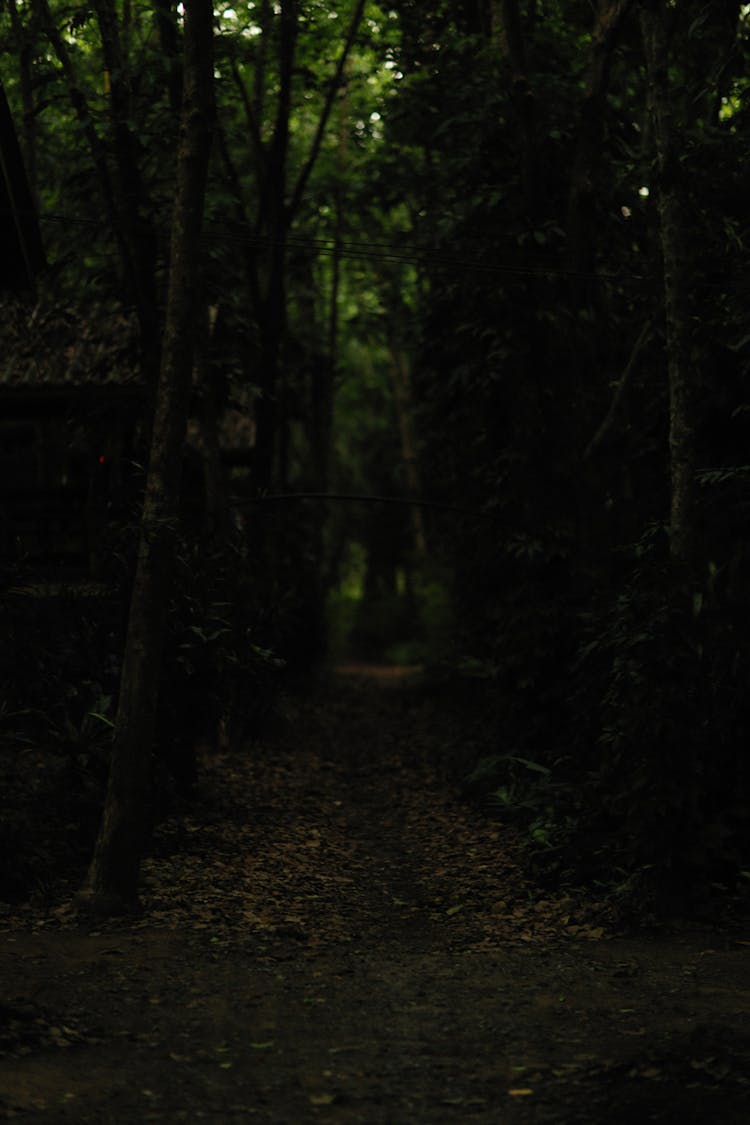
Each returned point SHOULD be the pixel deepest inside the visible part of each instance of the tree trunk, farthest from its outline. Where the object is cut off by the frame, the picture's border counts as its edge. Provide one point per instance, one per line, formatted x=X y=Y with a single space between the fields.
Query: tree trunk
x=279 y=204
x=165 y=12
x=23 y=44
x=112 y=879
x=23 y=255
x=401 y=379
x=673 y=213
x=514 y=48
x=208 y=383
x=583 y=180
x=139 y=293
x=133 y=203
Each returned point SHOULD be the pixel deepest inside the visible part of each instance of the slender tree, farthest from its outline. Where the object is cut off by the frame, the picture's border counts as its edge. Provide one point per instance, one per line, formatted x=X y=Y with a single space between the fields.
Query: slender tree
x=582 y=224
x=112 y=878
x=23 y=43
x=673 y=217
x=132 y=196
x=280 y=200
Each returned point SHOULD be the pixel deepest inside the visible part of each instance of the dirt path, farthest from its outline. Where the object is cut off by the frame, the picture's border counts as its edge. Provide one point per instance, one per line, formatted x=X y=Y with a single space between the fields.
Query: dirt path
x=332 y=937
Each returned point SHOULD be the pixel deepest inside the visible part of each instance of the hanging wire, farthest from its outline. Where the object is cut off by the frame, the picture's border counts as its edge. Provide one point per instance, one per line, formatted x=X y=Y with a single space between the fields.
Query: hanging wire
x=397 y=253
x=403 y=501
x=400 y=253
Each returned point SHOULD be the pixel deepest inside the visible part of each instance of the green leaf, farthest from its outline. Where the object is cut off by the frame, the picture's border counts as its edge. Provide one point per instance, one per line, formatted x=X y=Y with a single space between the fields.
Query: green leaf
x=534 y=766
x=102 y=718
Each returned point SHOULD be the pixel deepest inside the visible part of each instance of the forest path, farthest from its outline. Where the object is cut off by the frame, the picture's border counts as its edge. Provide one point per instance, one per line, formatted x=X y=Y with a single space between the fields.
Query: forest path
x=332 y=937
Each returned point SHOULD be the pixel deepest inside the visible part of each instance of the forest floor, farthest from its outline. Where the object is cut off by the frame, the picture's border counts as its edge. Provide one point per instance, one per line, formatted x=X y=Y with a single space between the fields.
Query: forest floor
x=330 y=935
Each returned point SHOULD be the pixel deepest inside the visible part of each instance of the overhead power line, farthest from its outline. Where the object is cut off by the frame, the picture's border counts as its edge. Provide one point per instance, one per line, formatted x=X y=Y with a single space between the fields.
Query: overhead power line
x=401 y=253
x=396 y=253
x=404 y=501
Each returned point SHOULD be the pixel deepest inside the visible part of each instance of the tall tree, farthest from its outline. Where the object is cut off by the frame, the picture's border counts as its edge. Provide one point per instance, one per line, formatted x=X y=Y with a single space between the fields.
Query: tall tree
x=22 y=253
x=133 y=204
x=280 y=195
x=582 y=218
x=112 y=878
x=23 y=43
x=673 y=216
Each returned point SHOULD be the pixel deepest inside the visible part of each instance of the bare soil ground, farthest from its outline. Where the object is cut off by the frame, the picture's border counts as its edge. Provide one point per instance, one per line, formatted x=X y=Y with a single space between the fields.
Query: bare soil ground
x=331 y=936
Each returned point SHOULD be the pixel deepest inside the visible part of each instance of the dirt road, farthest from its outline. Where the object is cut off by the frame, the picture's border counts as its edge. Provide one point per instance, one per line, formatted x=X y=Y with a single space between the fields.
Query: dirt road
x=330 y=936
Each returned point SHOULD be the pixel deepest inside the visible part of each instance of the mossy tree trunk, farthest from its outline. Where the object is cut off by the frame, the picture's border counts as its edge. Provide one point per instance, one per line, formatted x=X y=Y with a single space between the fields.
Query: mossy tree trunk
x=112 y=879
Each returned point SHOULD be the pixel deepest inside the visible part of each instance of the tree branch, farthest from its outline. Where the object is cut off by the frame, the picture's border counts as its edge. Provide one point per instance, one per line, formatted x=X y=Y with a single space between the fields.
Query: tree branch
x=611 y=415
x=85 y=119
x=333 y=89
x=252 y=123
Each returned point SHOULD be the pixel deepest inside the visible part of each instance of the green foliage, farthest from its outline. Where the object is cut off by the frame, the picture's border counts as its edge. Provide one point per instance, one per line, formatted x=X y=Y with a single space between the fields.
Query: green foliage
x=219 y=674
x=533 y=796
x=60 y=655
x=412 y=623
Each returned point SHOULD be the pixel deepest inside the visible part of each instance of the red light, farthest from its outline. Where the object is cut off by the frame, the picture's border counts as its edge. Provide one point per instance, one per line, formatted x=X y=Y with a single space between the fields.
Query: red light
x=101 y=459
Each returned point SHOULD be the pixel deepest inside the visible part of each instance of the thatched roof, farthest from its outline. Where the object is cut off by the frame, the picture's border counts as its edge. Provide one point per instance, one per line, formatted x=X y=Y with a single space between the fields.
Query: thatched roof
x=63 y=347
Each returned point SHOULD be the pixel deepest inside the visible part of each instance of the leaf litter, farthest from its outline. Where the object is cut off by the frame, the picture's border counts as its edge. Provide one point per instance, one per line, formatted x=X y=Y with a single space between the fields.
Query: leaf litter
x=330 y=897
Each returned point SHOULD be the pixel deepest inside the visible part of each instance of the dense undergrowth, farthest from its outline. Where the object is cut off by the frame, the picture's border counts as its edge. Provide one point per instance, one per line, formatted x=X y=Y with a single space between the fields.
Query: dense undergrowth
x=596 y=754
x=61 y=651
